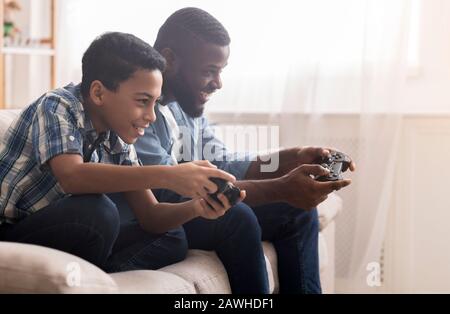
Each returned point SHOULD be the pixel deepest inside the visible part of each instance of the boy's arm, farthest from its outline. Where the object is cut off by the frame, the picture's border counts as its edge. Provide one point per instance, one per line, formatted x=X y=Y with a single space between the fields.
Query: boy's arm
x=189 y=179
x=157 y=217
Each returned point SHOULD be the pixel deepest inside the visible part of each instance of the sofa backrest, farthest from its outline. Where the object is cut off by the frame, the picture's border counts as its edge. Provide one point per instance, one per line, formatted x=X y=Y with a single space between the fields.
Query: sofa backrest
x=7 y=116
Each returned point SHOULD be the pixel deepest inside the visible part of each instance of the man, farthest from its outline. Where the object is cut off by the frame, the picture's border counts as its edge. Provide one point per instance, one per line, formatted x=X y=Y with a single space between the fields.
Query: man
x=74 y=144
x=279 y=205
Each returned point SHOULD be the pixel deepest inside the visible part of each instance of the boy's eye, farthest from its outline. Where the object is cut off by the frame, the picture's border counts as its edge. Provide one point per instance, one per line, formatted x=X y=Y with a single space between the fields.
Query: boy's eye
x=144 y=102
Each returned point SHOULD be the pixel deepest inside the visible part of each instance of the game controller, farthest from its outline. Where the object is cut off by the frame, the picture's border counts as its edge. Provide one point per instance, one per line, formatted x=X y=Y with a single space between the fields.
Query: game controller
x=231 y=192
x=337 y=163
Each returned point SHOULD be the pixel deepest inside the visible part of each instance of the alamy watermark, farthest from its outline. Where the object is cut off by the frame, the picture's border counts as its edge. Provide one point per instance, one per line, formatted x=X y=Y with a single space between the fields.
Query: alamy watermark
x=73 y=278
x=243 y=143
x=373 y=279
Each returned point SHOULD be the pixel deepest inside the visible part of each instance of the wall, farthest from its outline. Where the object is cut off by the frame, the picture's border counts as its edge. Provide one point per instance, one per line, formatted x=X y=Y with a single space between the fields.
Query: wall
x=418 y=246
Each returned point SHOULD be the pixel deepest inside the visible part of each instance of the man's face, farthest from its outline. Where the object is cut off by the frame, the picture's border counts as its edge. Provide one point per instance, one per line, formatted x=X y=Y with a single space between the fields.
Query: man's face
x=198 y=76
x=131 y=108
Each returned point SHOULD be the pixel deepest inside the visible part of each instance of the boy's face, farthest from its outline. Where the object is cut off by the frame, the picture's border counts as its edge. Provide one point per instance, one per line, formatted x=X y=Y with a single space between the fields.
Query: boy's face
x=198 y=76
x=131 y=108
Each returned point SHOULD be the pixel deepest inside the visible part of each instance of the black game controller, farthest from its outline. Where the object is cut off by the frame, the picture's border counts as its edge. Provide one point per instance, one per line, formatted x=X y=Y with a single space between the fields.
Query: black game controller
x=231 y=192
x=337 y=163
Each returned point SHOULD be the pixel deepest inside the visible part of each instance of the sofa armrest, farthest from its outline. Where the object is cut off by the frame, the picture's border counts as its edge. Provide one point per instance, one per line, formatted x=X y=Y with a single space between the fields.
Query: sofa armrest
x=327 y=256
x=26 y=268
x=328 y=210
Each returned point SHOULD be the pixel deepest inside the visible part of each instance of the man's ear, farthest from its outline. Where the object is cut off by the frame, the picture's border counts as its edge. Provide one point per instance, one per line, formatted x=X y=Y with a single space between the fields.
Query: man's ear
x=172 y=61
x=96 y=92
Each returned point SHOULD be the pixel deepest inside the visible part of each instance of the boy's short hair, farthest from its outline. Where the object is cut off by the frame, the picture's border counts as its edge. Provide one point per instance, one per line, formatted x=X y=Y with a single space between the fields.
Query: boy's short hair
x=177 y=31
x=113 y=57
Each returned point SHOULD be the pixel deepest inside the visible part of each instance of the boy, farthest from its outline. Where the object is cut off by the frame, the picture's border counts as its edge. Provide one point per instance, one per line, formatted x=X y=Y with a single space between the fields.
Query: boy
x=74 y=144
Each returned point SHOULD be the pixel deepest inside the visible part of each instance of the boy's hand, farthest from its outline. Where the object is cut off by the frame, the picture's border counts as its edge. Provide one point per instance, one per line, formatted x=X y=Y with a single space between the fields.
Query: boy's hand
x=191 y=179
x=210 y=209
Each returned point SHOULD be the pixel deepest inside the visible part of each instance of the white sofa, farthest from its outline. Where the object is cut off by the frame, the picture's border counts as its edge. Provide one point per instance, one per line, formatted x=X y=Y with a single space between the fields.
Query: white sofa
x=28 y=268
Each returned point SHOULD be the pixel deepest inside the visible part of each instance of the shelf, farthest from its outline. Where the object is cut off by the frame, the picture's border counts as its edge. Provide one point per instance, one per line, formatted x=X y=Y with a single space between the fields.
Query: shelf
x=43 y=45
x=28 y=51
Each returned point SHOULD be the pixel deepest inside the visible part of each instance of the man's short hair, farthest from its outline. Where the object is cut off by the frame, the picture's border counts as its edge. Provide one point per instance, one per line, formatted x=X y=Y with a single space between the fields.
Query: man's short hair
x=185 y=24
x=113 y=57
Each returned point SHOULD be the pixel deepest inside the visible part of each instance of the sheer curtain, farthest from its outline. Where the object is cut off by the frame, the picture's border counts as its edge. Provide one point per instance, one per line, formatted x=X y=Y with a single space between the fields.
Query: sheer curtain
x=328 y=72
x=351 y=98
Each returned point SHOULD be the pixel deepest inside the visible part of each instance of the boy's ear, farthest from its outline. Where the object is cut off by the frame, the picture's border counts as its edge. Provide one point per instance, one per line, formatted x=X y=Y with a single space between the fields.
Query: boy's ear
x=171 y=60
x=96 y=92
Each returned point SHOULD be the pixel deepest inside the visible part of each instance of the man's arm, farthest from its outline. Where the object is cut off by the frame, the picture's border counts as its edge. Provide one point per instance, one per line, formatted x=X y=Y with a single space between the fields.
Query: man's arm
x=269 y=166
x=288 y=159
x=296 y=188
x=189 y=179
x=290 y=181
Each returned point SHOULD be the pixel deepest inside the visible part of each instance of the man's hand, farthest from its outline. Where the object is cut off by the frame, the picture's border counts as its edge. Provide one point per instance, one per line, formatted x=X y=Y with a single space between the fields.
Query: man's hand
x=299 y=189
x=210 y=209
x=312 y=155
x=191 y=179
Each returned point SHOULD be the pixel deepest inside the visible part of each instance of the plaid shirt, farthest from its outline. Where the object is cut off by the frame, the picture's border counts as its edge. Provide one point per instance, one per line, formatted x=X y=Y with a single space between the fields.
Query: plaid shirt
x=54 y=124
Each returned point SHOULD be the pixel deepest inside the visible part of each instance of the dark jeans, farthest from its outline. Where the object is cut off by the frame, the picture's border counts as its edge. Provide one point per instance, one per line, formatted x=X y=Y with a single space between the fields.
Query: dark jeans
x=294 y=232
x=236 y=238
x=86 y=226
x=89 y=226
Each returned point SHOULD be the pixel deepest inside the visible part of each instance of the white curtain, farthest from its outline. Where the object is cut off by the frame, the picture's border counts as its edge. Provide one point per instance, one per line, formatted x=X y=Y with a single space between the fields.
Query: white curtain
x=334 y=73
x=351 y=90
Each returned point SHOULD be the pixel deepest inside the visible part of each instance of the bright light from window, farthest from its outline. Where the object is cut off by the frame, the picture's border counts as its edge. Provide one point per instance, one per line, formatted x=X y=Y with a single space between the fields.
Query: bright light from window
x=414 y=37
x=306 y=55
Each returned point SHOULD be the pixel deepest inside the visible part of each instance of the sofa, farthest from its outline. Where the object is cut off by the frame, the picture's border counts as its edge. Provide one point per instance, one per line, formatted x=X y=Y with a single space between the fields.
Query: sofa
x=26 y=268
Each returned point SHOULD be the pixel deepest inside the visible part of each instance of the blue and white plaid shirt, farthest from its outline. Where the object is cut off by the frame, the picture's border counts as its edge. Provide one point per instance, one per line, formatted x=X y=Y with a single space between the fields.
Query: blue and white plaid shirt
x=54 y=124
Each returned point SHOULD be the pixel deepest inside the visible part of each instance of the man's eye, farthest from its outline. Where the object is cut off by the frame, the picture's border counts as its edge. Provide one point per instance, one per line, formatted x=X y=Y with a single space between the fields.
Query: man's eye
x=210 y=73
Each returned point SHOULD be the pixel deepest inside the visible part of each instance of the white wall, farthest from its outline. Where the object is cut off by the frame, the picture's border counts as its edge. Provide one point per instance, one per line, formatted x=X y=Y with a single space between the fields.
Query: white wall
x=417 y=244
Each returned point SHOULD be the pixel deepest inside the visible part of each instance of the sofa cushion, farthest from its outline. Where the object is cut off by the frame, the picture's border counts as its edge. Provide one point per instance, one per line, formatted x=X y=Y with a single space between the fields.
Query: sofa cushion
x=207 y=274
x=26 y=268
x=272 y=266
x=203 y=270
x=151 y=281
x=328 y=210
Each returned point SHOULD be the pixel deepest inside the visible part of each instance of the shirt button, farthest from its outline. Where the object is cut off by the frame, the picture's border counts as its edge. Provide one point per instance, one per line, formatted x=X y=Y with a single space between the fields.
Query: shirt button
x=71 y=138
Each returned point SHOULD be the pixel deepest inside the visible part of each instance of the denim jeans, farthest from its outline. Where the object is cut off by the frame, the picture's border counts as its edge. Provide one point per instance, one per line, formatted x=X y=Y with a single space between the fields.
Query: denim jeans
x=294 y=233
x=236 y=238
x=86 y=226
